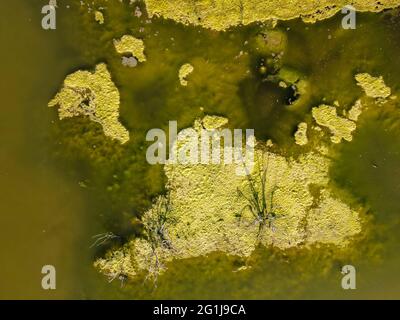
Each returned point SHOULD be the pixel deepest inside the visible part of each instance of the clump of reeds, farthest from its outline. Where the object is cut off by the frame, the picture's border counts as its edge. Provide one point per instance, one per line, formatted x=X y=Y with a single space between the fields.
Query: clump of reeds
x=259 y=203
x=156 y=232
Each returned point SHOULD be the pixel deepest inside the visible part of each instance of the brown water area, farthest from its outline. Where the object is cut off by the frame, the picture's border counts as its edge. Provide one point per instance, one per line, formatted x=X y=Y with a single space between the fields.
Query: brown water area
x=63 y=181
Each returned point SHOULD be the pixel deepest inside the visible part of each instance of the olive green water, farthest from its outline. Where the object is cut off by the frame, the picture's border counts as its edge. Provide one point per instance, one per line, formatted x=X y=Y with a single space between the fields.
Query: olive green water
x=63 y=182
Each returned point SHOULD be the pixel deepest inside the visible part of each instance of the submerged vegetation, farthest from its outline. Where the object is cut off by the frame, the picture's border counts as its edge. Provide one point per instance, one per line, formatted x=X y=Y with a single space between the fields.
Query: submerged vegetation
x=156 y=223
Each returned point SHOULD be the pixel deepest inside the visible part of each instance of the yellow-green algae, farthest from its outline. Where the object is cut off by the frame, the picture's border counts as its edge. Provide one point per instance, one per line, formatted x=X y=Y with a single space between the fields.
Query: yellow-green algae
x=374 y=87
x=222 y=14
x=212 y=122
x=328 y=213
x=341 y=128
x=204 y=207
x=184 y=71
x=355 y=111
x=301 y=134
x=130 y=45
x=99 y=17
x=93 y=95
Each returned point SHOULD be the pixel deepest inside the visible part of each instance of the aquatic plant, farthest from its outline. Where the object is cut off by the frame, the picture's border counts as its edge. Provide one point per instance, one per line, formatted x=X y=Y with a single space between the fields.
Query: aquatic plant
x=155 y=224
x=258 y=203
x=103 y=238
x=118 y=273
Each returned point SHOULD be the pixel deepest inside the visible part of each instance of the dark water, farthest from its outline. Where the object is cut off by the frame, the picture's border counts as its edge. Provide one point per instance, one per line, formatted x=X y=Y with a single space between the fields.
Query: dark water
x=63 y=182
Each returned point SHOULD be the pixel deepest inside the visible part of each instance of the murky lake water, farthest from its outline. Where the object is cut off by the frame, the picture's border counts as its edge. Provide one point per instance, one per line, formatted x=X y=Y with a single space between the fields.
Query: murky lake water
x=62 y=182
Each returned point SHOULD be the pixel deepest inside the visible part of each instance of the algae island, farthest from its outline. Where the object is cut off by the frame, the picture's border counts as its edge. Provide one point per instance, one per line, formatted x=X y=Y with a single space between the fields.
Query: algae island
x=93 y=95
x=220 y=14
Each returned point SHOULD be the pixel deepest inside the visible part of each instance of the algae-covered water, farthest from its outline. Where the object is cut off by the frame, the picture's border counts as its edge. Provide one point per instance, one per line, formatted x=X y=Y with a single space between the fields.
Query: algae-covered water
x=62 y=182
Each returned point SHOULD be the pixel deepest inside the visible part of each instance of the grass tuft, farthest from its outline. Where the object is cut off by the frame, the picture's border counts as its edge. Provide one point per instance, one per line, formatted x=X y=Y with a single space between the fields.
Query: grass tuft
x=259 y=203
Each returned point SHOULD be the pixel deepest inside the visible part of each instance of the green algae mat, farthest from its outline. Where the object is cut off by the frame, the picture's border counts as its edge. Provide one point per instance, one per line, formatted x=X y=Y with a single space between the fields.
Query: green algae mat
x=200 y=149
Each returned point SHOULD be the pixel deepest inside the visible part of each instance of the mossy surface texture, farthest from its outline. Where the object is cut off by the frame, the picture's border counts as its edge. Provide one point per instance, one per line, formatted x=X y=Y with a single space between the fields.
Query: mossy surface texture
x=93 y=95
x=220 y=14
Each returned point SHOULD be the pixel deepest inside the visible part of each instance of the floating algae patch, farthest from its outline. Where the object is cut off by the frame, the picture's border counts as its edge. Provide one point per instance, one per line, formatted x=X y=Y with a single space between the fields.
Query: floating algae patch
x=221 y=14
x=99 y=17
x=341 y=128
x=374 y=87
x=184 y=71
x=130 y=45
x=326 y=214
x=213 y=122
x=301 y=134
x=208 y=209
x=93 y=95
x=355 y=111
